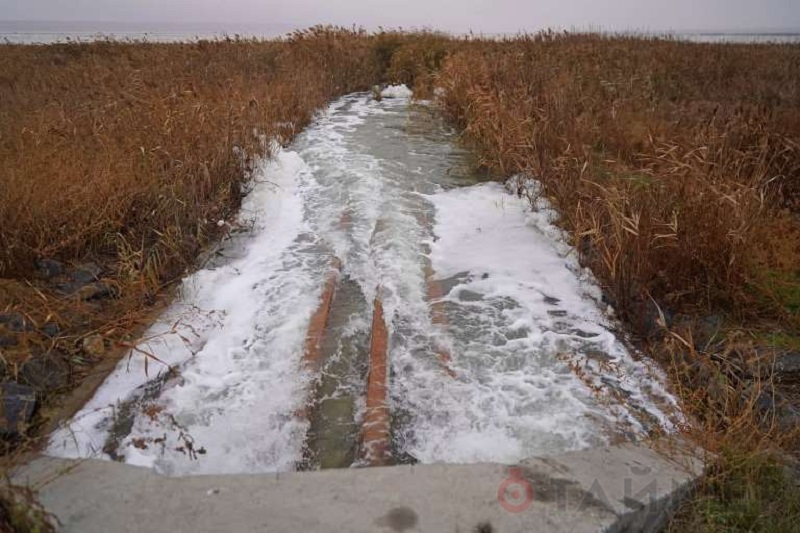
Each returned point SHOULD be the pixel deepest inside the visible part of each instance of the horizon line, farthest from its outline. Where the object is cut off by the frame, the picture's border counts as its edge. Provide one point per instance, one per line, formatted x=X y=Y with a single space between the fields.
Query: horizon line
x=588 y=28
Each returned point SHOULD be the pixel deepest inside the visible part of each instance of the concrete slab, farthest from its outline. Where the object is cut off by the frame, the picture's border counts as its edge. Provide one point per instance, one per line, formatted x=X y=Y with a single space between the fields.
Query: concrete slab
x=622 y=488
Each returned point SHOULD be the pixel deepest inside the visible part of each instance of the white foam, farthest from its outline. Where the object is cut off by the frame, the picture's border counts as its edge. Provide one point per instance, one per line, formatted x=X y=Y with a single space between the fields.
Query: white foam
x=397 y=91
x=518 y=317
x=238 y=356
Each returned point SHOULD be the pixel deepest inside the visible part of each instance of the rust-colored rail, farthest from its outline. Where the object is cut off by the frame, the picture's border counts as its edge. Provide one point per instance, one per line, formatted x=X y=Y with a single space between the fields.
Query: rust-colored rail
x=376 y=429
x=312 y=350
x=434 y=294
x=319 y=320
x=438 y=317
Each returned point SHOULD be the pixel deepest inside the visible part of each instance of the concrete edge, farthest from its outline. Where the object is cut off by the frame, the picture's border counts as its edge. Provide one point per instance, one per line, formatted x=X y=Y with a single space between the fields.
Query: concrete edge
x=632 y=487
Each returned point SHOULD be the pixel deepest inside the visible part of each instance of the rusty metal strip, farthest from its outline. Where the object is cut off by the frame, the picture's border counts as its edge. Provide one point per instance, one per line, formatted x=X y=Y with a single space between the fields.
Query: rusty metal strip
x=437 y=310
x=376 y=429
x=319 y=320
x=438 y=317
x=312 y=350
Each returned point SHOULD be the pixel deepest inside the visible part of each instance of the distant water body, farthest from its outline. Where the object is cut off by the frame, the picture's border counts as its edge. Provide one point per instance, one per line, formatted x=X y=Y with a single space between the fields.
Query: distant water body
x=18 y=32
x=30 y=32
x=739 y=37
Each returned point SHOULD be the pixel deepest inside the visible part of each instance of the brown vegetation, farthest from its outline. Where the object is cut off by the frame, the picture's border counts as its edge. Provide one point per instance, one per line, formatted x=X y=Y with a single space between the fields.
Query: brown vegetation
x=137 y=150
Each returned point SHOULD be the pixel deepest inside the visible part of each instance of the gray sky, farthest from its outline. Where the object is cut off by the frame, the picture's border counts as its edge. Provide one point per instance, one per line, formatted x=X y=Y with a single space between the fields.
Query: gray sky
x=452 y=15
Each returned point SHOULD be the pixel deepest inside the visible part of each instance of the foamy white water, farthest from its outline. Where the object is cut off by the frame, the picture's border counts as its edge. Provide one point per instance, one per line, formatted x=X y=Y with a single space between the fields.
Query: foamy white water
x=520 y=312
x=372 y=183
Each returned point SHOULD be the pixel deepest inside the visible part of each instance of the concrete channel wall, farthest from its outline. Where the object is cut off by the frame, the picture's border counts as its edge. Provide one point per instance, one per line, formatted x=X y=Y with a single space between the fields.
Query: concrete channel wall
x=623 y=488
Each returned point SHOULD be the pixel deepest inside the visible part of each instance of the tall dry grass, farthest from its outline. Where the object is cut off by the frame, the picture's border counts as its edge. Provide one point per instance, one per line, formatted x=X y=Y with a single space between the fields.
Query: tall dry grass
x=134 y=151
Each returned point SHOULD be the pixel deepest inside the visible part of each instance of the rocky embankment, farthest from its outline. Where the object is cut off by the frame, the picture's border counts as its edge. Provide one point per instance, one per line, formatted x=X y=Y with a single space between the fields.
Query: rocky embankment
x=47 y=353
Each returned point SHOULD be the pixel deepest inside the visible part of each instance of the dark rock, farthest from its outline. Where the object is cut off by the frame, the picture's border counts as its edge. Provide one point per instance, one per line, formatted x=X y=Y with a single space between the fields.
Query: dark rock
x=787 y=365
x=707 y=330
x=14 y=321
x=69 y=287
x=95 y=291
x=774 y=407
x=18 y=404
x=787 y=417
x=767 y=362
x=45 y=373
x=85 y=286
x=51 y=329
x=764 y=402
x=49 y=268
x=86 y=273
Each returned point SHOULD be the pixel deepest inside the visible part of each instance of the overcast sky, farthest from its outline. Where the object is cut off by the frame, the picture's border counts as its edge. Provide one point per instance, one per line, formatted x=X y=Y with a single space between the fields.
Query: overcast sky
x=452 y=15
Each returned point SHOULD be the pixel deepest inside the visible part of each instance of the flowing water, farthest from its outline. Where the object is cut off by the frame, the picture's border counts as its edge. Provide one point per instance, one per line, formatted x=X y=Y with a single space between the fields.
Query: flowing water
x=497 y=349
